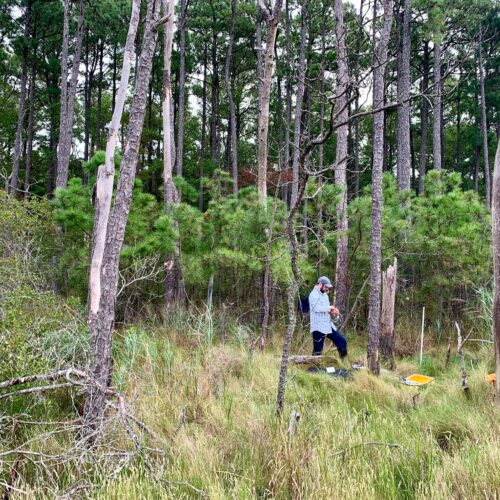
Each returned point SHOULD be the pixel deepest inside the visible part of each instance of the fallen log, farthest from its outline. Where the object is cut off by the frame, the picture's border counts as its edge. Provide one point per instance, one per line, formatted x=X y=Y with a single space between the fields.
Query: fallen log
x=312 y=360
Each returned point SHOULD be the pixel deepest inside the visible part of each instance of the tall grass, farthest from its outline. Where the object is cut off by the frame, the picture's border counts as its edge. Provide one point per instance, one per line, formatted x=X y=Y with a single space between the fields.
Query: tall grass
x=367 y=438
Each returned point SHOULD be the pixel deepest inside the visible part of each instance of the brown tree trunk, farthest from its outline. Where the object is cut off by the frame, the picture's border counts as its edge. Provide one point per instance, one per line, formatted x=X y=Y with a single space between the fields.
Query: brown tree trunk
x=68 y=103
x=182 y=86
x=341 y=102
x=437 y=125
x=387 y=339
x=403 y=111
x=109 y=228
x=299 y=98
x=99 y=99
x=424 y=121
x=484 y=124
x=203 y=128
x=31 y=122
x=495 y=206
x=13 y=184
x=379 y=63
x=288 y=99
x=233 y=147
x=272 y=19
x=357 y=137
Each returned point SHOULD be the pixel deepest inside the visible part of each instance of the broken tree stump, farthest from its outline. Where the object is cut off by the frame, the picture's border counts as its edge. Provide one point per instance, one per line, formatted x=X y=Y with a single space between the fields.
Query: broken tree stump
x=387 y=339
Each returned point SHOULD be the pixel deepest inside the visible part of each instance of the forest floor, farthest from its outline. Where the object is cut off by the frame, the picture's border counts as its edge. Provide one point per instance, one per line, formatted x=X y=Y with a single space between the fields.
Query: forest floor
x=371 y=437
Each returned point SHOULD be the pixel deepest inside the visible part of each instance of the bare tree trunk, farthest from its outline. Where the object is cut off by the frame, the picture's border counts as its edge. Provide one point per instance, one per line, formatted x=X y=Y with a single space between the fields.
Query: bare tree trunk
x=288 y=99
x=495 y=206
x=424 y=121
x=13 y=185
x=299 y=98
x=233 y=146
x=105 y=179
x=101 y=330
x=171 y=196
x=272 y=19
x=436 y=126
x=357 y=137
x=99 y=99
x=403 y=111
x=484 y=124
x=182 y=85
x=68 y=107
x=341 y=100
x=387 y=339
x=214 y=118
x=31 y=122
x=379 y=63
x=203 y=128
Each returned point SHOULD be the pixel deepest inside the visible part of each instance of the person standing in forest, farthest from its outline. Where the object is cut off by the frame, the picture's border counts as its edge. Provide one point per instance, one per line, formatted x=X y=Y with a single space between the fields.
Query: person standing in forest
x=321 y=313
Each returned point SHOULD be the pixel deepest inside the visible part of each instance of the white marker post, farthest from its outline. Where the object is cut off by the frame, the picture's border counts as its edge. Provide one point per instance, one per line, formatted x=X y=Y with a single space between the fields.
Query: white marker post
x=422 y=336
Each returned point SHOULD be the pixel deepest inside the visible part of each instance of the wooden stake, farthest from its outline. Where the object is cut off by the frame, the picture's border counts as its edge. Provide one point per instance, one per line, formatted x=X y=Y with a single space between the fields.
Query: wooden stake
x=465 y=385
x=422 y=336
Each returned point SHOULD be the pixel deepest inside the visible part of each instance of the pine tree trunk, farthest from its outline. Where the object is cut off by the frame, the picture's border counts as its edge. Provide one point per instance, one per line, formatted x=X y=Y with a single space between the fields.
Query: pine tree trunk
x=424 y=121
x=13 y=185
x=484 y=124
x=301 y=76
x=182 y=86
x=102 y=328
x=357 y=137
x=379 y=64
x=288 y=99
x=272 y=20
x=403 y=111
x=31 y=122
x=214 y=118
x=99 y=99
x=496 y=266
x=233 y=147
x=203 y=128
x=436 y=126
x=68 y=104
x=341 y=103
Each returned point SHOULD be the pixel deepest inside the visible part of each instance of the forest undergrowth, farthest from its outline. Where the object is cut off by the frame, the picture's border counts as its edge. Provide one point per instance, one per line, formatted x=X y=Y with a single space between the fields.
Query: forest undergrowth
x=212 y=409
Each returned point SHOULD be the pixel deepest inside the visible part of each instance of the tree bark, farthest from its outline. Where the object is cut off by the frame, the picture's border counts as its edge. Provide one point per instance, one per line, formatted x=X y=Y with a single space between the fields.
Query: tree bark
x=436 y=126
x=171 y=196
x=31 y=123
x=214 y=118
x=496 y=267
x=13 y=185
x=182 y=86
x=379 y=63
x=102 y=328
x=387 y=339
x=299 y=98
x=272 y=19
x=424 y=121
x=203 y=128
x=403 y=111
x=68 y=103
x=99 y=99
x=484 y=124
x=341 y=103
x=232 y=110
x=357 y=137
x=288 y=98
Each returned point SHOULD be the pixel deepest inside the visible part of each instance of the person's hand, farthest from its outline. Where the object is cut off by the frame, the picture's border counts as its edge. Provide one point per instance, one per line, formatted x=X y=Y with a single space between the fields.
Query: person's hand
x=334 y=311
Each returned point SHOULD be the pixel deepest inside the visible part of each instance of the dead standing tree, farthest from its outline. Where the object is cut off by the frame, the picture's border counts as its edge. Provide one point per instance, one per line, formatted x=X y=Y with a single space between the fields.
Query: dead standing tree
x=379 y=63
x=173 y=278
x=387 y=339
x=101 y=329
x=106 y=173
x=271 y=18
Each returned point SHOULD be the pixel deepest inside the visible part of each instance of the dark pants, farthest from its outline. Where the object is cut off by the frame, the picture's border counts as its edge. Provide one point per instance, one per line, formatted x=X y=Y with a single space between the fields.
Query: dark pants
x=338 y=339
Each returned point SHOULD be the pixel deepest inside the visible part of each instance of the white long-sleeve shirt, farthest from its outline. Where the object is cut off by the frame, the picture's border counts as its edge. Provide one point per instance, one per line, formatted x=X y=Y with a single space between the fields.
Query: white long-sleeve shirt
x=319 y=309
